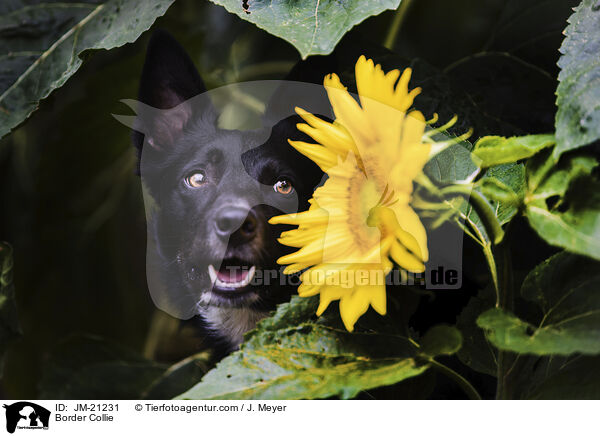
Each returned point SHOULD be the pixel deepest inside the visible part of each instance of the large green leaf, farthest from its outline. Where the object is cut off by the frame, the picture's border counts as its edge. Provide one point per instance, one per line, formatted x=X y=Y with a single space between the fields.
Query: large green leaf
x=309 y=360
x=43 y=44
x=9 y=323
x=179 y=377
x=576 y=378
x=496 y=150
x=503 y=86
x=563 y=202
x=312 y=26
x=530 y=31
x=554 y=377
x=565 y=287
x=578 y=116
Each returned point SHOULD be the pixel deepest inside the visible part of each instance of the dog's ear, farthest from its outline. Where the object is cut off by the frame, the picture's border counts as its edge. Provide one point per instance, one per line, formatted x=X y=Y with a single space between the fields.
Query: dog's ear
x=169 y=80
x=169 y=77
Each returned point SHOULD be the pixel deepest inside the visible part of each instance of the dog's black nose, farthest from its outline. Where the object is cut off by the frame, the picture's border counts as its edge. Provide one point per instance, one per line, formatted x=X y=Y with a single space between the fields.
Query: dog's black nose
x=236 y=222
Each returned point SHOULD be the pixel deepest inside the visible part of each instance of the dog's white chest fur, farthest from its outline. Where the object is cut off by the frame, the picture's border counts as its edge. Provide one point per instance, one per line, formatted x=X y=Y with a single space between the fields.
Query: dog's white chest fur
x=232 y=322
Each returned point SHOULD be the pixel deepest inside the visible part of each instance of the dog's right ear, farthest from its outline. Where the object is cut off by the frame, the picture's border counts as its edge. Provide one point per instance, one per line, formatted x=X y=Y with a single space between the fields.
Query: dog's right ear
x=169 y=80
x=169 y=77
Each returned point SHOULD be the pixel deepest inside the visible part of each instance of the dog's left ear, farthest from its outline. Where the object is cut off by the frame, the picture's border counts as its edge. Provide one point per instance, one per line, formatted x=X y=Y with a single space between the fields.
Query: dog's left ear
x=169 y=80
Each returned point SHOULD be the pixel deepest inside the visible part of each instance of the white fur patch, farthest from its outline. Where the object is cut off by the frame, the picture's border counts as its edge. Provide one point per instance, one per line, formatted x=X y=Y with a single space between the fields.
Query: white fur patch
x=232 y=322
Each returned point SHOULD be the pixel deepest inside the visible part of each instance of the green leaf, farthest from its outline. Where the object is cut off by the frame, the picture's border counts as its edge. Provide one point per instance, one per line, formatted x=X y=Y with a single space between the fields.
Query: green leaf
x=508 y=332
x=497 y=191
x=575 y=379
x=578 y=93
x=454 y=164
x=518 y=94
x=64 y=33
x=563 y=202
x=476 y=351
x=513 y=31
x=496 y=150
x=503 y=182
x=309 y=360
x=81 y=365
x=312 y=26
x=9 y=322
x=179 y=377
x=555 y=377
x=546 y=179
x=565 y=288
x=504 y=185
x=441 y=340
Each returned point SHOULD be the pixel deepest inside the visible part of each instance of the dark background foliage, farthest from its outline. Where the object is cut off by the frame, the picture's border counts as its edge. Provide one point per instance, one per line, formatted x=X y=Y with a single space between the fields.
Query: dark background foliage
x=71 y=205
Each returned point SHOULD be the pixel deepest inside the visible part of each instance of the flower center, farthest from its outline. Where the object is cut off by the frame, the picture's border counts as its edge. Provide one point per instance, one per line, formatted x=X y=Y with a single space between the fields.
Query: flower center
x=364 y=194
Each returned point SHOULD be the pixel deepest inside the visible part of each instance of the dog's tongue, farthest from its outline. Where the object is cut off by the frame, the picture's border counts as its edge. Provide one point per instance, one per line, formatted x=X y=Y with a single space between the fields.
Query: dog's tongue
x=232 y=274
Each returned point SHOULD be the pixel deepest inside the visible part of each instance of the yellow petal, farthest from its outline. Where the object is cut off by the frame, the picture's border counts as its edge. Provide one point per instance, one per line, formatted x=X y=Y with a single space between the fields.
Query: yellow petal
x=310 y=253
x=363 y=71
x=320 y=155
x=410 y=223
x=341 y=148
x=298 y=238
x=347 y=111
x=329 y=294
x=335 y=133
x=409 y=241
x=305 y=290
x=353 y=306
x=309 y=217
x=405 y=259
x=378 y=299
x=414 y=127
x=295 y=267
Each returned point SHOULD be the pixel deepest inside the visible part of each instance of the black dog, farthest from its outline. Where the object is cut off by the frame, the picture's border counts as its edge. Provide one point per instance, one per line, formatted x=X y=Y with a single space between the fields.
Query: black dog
x=208 y=231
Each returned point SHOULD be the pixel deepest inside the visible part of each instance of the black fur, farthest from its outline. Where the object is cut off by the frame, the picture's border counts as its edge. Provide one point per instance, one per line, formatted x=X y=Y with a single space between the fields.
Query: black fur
x=184 y=230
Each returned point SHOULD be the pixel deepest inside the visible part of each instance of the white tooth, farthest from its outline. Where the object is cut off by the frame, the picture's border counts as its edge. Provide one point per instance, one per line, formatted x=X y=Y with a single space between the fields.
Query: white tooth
x=224 y=284
x=249 y=276
x=212 y=273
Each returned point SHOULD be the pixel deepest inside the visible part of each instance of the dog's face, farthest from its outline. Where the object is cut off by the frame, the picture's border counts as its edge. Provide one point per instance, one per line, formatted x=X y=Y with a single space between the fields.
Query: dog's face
x=216 y=196
x=214 y=191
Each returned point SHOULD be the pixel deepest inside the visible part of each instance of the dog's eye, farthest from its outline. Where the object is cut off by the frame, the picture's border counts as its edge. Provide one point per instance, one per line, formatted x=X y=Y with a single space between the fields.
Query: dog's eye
x=195 y=180
x=283 y=186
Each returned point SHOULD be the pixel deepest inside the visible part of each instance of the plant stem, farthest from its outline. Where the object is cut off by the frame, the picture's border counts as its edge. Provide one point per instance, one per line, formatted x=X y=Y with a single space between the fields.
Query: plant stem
x=397 y=21
x=482 y=207
x=502 y=253
x=260 y=70
x=498 y=259
x=465 y=386
x=491 y=261
x=488 y=253
x=505 y=358
x=478 y=235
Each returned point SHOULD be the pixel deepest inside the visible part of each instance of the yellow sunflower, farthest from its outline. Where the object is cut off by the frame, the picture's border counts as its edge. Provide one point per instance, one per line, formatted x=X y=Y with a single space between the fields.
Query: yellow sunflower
x=360 y=219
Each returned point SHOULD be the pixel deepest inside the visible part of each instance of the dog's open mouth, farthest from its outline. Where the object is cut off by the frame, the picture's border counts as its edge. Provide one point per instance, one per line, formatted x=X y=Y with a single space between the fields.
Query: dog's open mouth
x=233 y=275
